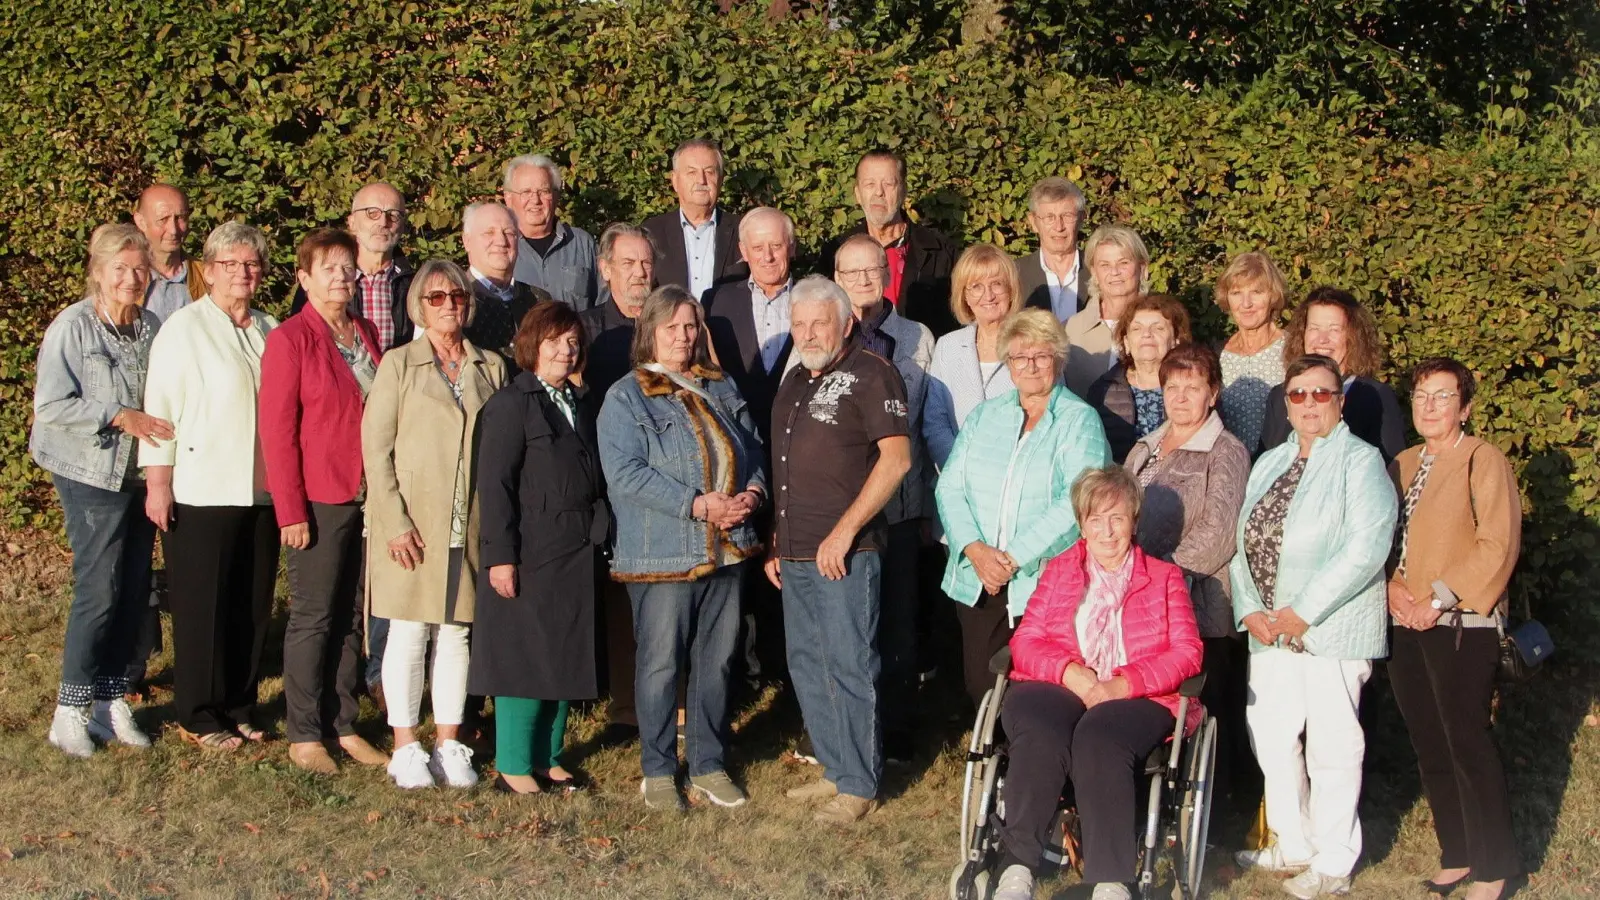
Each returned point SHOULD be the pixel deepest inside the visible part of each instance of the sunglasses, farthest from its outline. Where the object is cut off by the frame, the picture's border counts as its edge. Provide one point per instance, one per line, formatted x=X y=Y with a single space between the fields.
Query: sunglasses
x=1298 y=396
x=437 y=298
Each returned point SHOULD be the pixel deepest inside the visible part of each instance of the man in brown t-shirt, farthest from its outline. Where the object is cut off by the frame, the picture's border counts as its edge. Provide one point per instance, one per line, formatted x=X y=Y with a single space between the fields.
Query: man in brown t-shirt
x=840 y=446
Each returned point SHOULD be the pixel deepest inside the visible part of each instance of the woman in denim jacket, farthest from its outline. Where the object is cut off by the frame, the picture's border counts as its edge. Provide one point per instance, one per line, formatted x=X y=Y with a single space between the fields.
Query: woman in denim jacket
x=682 y=466
x=86 y=421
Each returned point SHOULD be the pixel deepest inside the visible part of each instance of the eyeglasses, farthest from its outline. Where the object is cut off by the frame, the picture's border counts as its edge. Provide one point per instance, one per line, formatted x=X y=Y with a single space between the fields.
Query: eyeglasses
x=1053 y=219
x=1298 y=396
x=866 y=274
x=1437 y=398
x=978 y=289
x=541 y=193
x=1031 y=360
x=231 y=266
x=437 y=298
x=374 y=213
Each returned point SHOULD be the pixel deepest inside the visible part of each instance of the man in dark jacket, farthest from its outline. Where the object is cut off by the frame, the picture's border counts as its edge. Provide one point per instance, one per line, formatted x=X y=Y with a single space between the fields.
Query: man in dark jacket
x=627 y=267
x=1054 y=277
x=489 y=232
x=697 y=244
x=378 y=219
x=920 y=258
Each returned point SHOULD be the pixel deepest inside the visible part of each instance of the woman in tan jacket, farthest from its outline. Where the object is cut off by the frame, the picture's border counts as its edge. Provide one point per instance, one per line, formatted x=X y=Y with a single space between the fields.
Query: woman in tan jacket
x=416 y=440
x=1459 y=533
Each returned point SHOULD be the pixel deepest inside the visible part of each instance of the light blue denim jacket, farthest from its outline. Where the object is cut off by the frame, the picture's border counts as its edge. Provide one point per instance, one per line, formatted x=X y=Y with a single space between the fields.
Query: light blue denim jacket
x=655 y=459
x=81 y=384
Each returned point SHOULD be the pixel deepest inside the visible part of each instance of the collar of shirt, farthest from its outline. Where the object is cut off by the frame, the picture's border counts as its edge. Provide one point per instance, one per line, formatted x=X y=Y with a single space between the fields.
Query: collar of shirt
x=689 y=227
x=504 y=293
x=874 y=324
x=386 y=273
x=1072 y=273
x=756 y=291
x=181 y=278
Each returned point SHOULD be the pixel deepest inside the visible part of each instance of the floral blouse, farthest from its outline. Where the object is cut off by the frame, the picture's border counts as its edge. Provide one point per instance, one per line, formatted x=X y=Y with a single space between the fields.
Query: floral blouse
x=1263 y=531
x=1148 y=411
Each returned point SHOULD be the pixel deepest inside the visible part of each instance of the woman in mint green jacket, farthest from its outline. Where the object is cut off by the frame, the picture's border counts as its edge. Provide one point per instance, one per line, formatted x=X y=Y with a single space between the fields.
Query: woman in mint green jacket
x=1309 y=586
x=1004 y=493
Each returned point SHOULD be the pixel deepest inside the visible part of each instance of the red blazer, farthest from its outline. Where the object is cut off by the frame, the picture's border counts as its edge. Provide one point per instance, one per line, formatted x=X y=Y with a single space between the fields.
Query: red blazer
x=1158 y=630
x=309 y=415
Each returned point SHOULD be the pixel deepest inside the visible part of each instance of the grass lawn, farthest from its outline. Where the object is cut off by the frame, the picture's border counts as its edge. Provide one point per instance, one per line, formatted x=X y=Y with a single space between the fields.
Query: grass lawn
x=172 y=822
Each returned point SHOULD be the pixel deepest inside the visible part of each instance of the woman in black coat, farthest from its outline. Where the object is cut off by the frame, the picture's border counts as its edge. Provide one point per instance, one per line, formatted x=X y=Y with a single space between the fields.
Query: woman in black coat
x=544 y=526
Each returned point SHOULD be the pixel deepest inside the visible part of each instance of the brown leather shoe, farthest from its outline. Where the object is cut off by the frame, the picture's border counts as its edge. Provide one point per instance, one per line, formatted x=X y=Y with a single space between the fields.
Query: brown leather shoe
x=313 y=757
x=362 y=752
x=845 y=810
x=821 y=789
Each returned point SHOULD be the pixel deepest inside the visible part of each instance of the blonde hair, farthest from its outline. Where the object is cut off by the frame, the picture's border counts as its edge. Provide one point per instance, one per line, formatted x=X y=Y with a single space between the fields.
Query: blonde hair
x=1117 y=236
x=1095 y=487
x=1035 y=326
x=449 y=271
x=979 y=261
x=1253 y=269
x=106 y=242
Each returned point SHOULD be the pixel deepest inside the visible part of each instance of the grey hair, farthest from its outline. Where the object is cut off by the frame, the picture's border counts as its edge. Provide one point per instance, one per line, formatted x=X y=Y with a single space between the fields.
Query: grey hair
x=616 y=230
x=538 y=160
x=862 y=239
x=234 y=234
x=821 y=289
x=473 y=209
x=1117 y=236
x=761 y=212
x=106 y=242
x=1049 y=190
x=699 y=144
x=659 y=308
x=452 y=273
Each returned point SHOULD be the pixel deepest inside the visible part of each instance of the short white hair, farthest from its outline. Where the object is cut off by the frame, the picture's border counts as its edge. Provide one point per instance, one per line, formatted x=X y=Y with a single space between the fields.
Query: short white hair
x=821 y=289
x=538 y=160
x=473 y=209
x=761 y=212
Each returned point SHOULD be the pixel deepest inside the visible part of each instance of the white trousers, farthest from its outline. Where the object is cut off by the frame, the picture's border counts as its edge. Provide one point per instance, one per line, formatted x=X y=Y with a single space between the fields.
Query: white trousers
x=1311 y=785
x=405 y=662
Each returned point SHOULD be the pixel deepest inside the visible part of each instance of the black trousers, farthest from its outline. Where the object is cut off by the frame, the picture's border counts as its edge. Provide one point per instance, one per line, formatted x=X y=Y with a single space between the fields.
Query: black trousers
x=222 y=562
x=1226 y=663
x=1054 y=739
x=985 y=629
x=897 y=627
x=322 y=644
x=1444 y=694
x=618 y=648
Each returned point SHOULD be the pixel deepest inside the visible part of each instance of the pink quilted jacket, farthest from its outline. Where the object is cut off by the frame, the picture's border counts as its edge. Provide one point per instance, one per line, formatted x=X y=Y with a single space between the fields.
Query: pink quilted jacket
x=1158 y=629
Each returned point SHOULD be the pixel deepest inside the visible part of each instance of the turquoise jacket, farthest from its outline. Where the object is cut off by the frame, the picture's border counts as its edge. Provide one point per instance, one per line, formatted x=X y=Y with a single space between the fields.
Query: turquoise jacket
x=1336 y=540
x=1038 y=509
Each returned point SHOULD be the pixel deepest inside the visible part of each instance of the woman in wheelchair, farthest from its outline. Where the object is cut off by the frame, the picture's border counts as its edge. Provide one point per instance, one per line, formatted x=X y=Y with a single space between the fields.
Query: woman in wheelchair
x=1107 y=638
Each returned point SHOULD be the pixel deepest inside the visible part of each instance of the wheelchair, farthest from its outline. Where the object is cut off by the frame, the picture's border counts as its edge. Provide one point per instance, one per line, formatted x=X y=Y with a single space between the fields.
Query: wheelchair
x=1178 y=806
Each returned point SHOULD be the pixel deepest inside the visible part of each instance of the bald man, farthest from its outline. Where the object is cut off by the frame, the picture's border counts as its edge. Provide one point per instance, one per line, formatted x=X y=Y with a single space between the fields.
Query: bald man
x=162 y=215
x=383 y=277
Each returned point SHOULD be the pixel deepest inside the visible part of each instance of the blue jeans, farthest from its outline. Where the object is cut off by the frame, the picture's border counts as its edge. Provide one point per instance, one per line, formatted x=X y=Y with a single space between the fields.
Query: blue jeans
x=377 y=640
x=111 y=543
x=693 y=622
x=833 y=661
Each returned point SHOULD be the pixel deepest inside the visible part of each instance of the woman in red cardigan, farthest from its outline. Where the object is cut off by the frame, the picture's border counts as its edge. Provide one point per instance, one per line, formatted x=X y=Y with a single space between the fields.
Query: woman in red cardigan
x=1096 y=662
x=315 y=374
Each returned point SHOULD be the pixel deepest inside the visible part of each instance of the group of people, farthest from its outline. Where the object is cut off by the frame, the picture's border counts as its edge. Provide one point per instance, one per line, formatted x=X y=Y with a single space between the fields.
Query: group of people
x=648 y=464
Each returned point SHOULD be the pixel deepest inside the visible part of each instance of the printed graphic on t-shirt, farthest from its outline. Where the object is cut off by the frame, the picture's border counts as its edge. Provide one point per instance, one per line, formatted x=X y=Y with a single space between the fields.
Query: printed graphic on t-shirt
x=825 y=402
x=895 y=408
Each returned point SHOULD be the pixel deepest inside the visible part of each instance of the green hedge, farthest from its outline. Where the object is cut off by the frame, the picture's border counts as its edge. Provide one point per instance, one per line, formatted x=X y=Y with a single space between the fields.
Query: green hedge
x=1485 y=247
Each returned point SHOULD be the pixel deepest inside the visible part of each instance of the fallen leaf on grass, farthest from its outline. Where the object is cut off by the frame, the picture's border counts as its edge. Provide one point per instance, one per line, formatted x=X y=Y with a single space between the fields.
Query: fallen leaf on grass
x=6 y=855
x=13 y=549
x=65 y=835
x=375 y=874
x=373 y=817
x=600 y=841
x=252 y=827
x=322 y=881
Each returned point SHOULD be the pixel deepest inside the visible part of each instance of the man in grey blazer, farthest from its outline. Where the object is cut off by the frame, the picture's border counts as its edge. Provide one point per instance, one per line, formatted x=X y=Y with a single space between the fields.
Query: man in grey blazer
x=1054 y=277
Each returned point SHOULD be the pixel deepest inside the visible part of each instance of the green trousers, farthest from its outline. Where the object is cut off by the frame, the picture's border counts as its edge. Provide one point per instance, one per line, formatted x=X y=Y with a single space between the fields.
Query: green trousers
x=528 y=734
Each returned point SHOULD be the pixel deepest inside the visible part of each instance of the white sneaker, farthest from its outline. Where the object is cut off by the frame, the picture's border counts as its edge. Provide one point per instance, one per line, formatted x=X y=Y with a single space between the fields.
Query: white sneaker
x=1311 y=884
x=1016 y=883
x=1111 y=890
x=112 y=720
x=69 y=731
x=1269 y=859
x=452 y=764
x=409 y=767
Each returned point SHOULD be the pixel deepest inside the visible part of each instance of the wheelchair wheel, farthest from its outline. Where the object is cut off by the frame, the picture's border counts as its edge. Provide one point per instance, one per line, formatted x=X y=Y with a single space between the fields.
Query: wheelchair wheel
x=976 y=888
x=979 y=786
x=1194 y=812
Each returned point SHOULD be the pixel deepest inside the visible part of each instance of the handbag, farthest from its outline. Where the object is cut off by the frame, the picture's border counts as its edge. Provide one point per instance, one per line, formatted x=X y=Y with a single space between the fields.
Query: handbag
x=1525 y=648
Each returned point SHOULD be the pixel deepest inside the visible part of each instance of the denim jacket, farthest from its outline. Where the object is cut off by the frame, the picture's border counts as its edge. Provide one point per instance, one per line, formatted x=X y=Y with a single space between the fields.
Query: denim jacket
x=655 y=459
x=81 y=385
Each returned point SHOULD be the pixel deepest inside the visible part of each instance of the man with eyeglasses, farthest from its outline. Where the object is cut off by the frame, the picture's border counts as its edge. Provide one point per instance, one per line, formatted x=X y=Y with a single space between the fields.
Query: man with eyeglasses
x=551 y=254
x=699 y=241
x=489 y=234
x=383 y=277
x=861 y=267
x=162 y=216
x=1054 y=277
x=920 y=258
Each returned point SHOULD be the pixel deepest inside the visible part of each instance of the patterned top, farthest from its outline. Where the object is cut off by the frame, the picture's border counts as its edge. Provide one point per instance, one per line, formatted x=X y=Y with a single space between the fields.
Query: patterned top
x=564 y=400
x=1151 y=467
x=1263 y=533
x=458 y=501
x=1246 y=382
x=130 y=345
x=1148 y=410
x=377 y=303
x=1413 y=494
x=360 y=363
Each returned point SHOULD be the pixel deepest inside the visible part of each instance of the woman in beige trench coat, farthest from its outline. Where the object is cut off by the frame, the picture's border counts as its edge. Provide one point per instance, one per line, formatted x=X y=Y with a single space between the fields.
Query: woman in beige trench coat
x=422 y=518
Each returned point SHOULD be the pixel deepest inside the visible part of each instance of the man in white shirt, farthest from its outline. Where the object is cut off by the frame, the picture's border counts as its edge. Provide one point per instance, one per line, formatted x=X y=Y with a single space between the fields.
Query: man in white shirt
x=697 y=243
x=1054 y=277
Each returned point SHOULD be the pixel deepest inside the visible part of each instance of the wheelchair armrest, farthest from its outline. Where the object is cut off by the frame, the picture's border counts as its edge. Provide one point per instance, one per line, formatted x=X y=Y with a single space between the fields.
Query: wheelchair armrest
x=1191 y=686
x=1000 y=663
